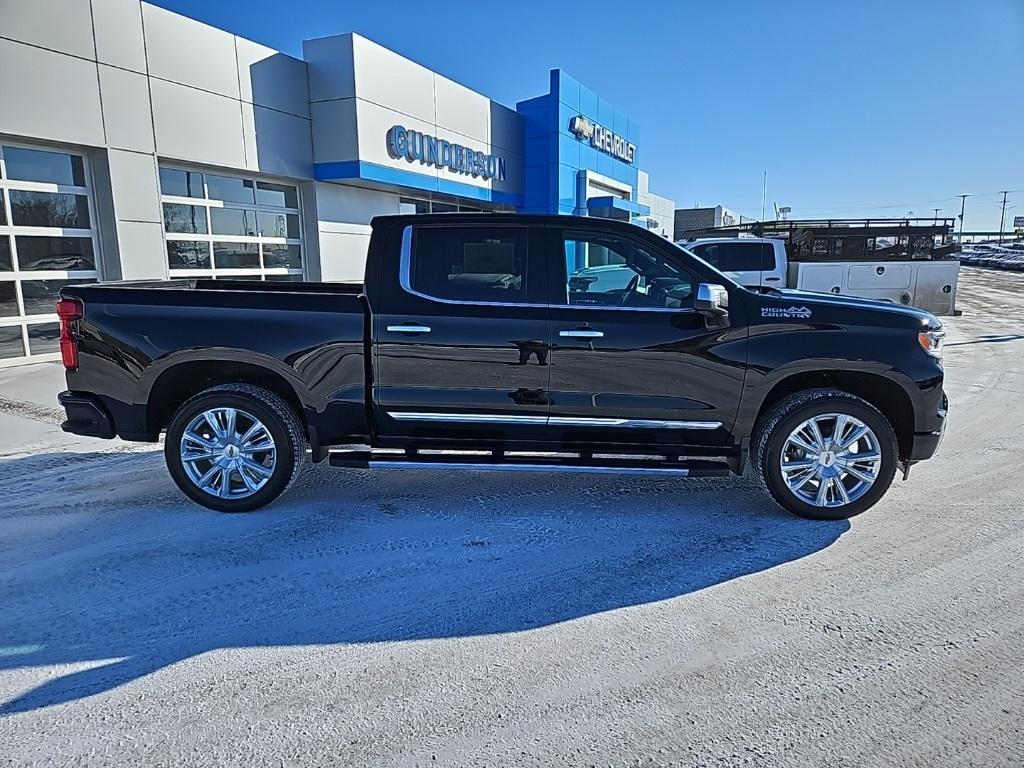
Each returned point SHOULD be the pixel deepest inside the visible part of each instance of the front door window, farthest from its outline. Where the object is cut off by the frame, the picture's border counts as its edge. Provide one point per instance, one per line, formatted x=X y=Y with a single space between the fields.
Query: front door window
x=608 y=270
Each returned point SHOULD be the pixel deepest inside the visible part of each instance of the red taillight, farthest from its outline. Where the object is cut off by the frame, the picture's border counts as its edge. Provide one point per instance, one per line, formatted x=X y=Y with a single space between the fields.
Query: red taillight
x=68 y=310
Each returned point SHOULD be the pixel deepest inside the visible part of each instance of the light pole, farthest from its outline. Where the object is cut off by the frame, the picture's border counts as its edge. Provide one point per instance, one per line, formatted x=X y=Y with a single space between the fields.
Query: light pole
x=1002 y=217
x=963 y=205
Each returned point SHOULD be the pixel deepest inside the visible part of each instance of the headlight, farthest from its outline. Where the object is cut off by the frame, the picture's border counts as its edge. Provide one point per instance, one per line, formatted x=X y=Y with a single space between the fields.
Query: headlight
x=931 y=342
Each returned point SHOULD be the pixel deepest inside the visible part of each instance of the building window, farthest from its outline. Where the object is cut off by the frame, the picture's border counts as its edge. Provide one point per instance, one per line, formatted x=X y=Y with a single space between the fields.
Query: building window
x=415 y=205
x=47 y=240
x=233 y=227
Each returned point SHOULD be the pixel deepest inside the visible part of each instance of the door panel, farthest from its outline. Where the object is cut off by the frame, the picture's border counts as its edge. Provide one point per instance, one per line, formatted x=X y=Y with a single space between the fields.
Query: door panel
x=648 y=371
x=657 y=373
x=480 y=369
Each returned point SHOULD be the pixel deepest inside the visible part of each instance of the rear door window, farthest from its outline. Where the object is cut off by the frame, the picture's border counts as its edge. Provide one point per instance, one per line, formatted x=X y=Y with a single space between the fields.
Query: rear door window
x=474 y=264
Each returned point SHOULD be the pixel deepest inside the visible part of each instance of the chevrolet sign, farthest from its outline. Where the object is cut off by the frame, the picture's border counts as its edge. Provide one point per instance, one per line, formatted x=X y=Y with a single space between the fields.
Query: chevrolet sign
x=602 y=139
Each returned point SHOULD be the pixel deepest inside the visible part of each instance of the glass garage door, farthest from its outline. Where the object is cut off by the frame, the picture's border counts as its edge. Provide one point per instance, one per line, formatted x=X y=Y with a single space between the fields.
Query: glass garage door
x=233 y=227
x=47 y=240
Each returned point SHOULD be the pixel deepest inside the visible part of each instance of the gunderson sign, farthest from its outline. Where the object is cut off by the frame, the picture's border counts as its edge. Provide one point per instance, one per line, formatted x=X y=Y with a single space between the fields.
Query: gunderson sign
x=602 y=139
x=430 y=150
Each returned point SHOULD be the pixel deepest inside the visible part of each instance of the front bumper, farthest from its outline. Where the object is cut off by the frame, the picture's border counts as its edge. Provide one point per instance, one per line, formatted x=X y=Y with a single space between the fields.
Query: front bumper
x=927 y=443
x=86 y=415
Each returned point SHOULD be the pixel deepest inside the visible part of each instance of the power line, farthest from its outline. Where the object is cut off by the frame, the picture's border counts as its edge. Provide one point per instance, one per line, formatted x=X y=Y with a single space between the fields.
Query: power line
x=893 y=205
x=871 y=207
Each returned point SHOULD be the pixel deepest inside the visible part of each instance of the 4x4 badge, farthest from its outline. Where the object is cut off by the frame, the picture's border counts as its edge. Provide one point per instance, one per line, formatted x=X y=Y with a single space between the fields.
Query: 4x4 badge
x=798 y=312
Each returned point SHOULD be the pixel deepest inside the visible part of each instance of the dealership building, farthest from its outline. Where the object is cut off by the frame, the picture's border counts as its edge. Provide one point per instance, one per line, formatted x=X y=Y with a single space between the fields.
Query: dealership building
x=136 y=143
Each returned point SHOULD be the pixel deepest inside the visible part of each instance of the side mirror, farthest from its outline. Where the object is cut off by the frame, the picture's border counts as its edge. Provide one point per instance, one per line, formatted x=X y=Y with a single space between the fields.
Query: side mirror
x=712 y=300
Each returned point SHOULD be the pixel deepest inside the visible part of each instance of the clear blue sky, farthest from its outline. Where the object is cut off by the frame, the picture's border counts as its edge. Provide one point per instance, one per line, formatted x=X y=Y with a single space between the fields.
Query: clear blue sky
x=854 y=107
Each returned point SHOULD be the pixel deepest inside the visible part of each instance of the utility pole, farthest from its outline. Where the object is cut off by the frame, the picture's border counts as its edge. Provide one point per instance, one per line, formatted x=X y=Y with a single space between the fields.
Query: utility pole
x=936 y=219
x=764 y=193
x=963 y=205
x=1002 y=217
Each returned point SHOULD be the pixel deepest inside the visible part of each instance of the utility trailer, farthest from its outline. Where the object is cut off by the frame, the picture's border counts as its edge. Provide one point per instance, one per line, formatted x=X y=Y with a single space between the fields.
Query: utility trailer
x=906 y=261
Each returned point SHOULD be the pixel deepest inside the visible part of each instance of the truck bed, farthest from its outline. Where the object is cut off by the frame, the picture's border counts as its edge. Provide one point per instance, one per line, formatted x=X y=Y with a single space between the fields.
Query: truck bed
x=140 y=336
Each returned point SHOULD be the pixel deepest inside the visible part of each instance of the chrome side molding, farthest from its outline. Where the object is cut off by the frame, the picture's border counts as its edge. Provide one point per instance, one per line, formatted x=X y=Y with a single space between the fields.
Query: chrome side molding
x=577 y=421
x=468 y=418
x=556 y=421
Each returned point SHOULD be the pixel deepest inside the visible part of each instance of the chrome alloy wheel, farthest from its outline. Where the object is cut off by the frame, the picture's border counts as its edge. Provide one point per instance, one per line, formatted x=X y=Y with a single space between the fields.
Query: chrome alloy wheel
x=831 y=460
x=228 y=453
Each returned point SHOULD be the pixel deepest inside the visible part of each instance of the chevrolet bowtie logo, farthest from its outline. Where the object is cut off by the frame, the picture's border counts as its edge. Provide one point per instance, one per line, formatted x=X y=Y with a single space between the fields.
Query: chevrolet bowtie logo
x=582 y=127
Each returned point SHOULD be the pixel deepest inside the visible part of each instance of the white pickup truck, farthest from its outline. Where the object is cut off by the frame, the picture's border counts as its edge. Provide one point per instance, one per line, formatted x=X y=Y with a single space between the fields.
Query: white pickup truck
x=763 y=262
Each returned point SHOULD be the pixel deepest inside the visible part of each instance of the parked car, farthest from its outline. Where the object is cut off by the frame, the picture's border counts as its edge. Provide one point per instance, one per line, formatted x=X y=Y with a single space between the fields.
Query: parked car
x=750 y=261
x=472 y=346
x=1009 y=256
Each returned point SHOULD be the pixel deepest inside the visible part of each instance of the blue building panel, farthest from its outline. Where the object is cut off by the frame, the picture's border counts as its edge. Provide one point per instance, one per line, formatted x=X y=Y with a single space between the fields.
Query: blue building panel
x=566 y=88
x=565 y=114
x=588 y=102
x=605 y=165
x=537 y=186
x=588 y=156
x=536 y=117
x=537 y=150
x=621 y=124
x=567 y=186
x=632 y=132
x=569 y=150
x=605 y=113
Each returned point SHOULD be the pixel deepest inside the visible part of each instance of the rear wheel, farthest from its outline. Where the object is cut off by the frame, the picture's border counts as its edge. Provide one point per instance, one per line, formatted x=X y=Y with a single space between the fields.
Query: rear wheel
x=825 y=454
x=235 y=447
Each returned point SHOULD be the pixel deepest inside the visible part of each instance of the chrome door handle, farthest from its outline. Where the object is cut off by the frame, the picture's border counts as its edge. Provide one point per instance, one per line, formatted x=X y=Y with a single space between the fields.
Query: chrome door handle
x=582 y=334
x=409 y=328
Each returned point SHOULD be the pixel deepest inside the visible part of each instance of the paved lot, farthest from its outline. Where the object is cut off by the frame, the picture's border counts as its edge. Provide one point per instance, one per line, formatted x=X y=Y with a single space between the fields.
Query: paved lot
x=409 y=618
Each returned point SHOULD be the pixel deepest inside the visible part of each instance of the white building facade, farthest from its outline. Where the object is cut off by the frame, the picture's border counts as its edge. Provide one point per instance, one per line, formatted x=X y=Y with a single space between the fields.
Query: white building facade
x=136 y=143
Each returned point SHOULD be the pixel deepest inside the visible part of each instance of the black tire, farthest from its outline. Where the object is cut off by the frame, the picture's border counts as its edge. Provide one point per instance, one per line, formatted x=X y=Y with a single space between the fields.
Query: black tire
x=281 y=422
x=785 y=416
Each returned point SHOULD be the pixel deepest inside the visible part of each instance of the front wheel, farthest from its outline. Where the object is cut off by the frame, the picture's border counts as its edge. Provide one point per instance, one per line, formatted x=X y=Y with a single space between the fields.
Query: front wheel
x=825 y=454
x=234 y=447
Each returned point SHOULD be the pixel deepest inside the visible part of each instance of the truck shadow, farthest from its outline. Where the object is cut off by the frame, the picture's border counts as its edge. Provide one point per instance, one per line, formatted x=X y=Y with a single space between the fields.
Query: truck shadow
x=137 y=583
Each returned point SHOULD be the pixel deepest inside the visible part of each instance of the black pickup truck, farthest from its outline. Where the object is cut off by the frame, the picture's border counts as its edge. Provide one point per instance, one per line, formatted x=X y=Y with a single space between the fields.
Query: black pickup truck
x=498 y=342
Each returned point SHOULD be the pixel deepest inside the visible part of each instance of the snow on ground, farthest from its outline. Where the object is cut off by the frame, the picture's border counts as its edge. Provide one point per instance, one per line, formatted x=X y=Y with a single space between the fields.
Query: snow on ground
x=30 y=415
x=417 y=618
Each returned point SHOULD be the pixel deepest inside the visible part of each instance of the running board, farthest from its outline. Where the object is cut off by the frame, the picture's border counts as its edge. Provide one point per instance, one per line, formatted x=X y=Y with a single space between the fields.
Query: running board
x=491 y=462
